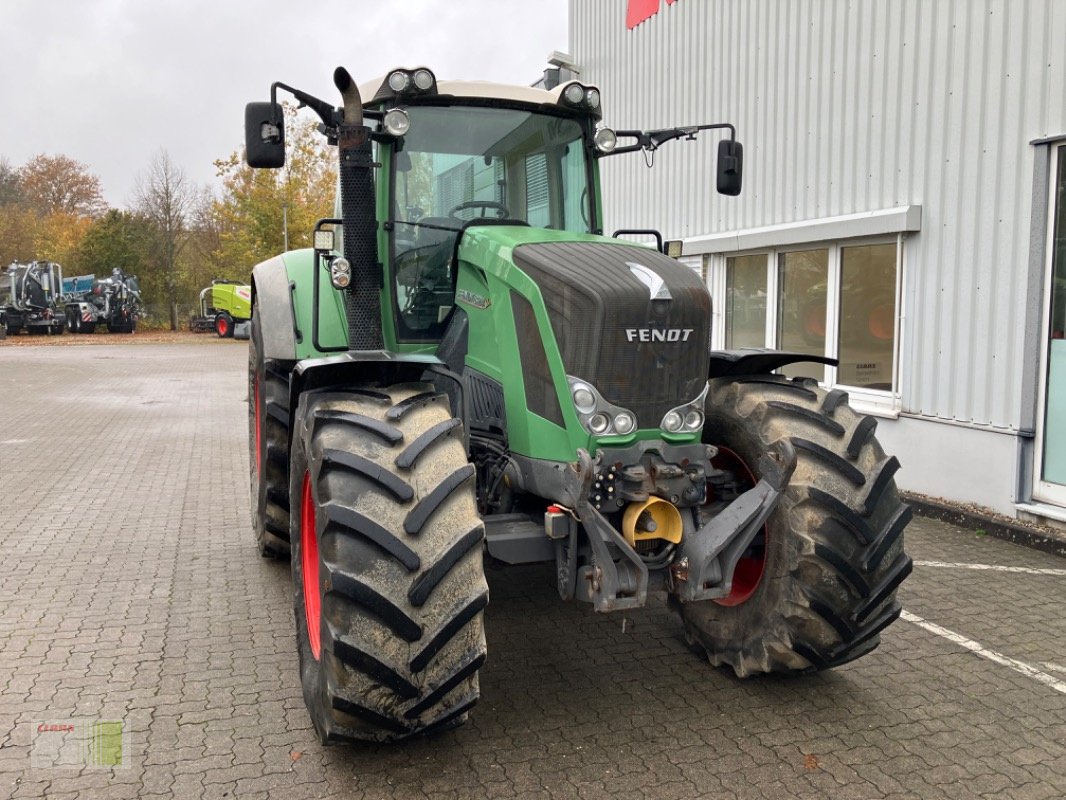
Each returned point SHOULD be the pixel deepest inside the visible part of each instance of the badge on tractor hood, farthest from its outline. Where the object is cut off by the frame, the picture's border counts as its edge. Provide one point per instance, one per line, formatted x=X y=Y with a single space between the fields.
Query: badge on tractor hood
x=471 y=299
x=658 y=334
x=657 y=287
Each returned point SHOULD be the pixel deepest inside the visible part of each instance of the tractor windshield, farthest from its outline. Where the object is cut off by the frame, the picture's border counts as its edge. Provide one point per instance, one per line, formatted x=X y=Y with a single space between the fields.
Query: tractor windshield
x=459 y=164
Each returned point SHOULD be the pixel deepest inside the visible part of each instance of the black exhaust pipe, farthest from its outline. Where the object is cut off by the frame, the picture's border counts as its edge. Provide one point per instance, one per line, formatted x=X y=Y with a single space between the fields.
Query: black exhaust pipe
x=363 y=295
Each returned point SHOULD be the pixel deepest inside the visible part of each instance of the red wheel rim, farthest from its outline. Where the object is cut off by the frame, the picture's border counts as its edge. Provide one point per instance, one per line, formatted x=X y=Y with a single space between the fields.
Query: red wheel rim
x=309 y=562
x=814 y=321
x=749 y=570
x=881 y=322
x=222 y=327
x=258 y=431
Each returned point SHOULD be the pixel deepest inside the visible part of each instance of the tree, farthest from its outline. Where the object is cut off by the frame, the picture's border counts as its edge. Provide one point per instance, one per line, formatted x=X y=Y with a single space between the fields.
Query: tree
x=119 y=239
x=10 y=190
x=60 y=185
x=18 y=234
x=165 y=196
x=256 y=204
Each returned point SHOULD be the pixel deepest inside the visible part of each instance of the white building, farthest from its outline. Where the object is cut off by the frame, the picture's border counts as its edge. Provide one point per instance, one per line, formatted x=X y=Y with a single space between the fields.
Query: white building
x=904 y=208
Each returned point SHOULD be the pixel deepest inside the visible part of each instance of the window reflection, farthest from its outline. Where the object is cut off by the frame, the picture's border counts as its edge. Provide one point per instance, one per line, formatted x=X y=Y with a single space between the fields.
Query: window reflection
x=867 y=316
x=745 y=302
x=803 y=280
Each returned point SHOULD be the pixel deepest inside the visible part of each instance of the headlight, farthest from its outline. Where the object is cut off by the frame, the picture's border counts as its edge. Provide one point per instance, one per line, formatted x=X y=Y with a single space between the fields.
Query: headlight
x=688 y=418
x=340 y=273
x=592 y=98
x=396 y=122
x=596 y=415
x=606 y=140
x=399 y=81
x=584 y=399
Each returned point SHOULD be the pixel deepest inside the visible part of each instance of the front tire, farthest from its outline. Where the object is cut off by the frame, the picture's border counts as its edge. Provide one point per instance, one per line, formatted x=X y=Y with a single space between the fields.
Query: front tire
x=821 y=582
x=224 y=325
x=388 y=576
x=268 y=438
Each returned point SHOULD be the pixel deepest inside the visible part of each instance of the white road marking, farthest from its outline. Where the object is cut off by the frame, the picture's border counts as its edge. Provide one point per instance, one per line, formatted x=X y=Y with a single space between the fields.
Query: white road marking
x=1054 y=667
x=990 y=567
x=976 y=647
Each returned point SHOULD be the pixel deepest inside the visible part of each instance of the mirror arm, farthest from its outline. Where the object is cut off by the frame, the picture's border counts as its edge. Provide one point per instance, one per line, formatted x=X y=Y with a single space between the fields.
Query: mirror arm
x=327 y=113
x=653 y=140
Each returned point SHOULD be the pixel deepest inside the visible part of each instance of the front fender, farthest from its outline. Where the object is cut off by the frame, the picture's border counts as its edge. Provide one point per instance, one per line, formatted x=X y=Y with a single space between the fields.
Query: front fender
x=270 y=286
x=756 y=361
x=349 y=369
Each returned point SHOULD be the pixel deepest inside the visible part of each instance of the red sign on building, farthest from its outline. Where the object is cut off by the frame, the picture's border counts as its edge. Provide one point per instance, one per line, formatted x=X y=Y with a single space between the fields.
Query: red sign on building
x=640 y=10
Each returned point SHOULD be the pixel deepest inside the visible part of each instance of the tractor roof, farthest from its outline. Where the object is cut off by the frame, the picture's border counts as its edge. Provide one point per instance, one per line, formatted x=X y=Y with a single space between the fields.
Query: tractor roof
x=377 y=91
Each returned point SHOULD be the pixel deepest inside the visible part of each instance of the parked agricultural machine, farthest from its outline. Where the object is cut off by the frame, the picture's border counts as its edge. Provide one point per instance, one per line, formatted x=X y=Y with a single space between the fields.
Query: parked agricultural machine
x=114 y=301
x=31 y=298
x=464 y=365
x=225 y=308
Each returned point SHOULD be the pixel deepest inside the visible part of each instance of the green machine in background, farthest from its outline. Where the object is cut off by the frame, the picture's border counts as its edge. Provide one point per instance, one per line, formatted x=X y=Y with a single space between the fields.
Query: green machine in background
x=224 y=306
x=463 y=366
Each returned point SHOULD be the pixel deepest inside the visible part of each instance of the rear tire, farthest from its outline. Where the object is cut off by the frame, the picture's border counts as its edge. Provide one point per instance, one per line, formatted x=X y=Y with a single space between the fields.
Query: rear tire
x=268 y=437
x=833 y=554
x=87 y=327
x=384 y=516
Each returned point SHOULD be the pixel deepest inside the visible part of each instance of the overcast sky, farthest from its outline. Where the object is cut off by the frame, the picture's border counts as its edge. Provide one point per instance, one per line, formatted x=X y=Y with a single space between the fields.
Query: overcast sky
x=109 y=82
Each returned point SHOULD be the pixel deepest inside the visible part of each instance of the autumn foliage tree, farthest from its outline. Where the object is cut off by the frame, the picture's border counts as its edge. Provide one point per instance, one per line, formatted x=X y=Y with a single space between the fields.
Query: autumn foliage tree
x=46 y=207
x=60 y=185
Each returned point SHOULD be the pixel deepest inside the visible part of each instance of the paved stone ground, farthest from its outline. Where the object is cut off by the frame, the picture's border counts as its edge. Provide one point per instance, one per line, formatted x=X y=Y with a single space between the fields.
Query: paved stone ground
x=130 y=589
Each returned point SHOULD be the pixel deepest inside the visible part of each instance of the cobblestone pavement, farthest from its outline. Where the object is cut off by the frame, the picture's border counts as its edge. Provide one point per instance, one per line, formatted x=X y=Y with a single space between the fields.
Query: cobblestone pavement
x=130 y=589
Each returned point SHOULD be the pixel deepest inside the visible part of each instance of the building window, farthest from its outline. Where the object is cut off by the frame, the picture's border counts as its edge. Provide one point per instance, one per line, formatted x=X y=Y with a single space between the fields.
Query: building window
x=803 y=286
x=837 y=300
x=745 y=302
x=867 y=316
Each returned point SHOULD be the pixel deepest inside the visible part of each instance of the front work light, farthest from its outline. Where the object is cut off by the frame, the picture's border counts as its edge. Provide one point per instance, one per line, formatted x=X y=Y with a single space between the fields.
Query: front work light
x=605 y=140
x=574 y=93
x=323 y=240
x=399 y=81
x=396 y=122
x=423 y=79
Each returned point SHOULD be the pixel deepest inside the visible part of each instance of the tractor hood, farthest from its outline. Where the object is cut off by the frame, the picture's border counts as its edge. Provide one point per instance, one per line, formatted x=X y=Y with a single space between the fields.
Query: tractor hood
x=629 y=320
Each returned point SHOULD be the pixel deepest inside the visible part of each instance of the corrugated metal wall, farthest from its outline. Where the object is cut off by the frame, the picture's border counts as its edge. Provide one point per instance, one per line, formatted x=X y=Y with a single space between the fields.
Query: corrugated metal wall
x=847 y=106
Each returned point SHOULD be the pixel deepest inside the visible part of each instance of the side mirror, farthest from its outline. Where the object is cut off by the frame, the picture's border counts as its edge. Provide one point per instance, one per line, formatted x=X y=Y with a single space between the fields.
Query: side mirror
x=264 y=135
x=730 y=167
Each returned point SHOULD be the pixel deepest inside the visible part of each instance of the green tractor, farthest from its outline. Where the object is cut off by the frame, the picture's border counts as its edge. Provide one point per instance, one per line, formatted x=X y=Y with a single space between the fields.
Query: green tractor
x=463 y=366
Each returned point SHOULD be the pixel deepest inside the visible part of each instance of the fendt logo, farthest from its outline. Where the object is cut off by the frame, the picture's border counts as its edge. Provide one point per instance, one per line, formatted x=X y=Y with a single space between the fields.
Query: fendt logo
x=658 y=334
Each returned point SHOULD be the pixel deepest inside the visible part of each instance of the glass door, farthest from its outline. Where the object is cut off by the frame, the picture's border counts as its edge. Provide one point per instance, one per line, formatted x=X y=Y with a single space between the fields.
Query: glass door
x=1051 y=456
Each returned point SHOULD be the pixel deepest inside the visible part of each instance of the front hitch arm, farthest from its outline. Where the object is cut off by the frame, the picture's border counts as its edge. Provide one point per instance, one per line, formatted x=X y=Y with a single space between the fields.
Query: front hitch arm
x=608 y=584
x=704 y=567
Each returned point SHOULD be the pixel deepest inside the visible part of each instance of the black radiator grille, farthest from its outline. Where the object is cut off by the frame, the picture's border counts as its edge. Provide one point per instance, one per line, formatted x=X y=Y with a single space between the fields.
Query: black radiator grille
x=610 y=330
